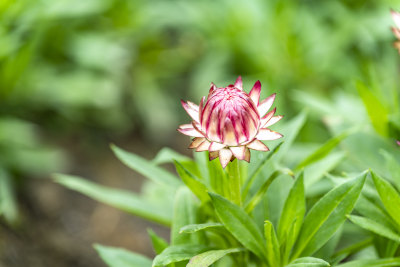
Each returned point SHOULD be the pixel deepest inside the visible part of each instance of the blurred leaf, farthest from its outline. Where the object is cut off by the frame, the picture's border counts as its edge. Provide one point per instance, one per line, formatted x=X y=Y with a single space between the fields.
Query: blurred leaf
x=185 y=212
x=377 y=111
x=121 y=199
x=374 y=227
x=178 y=253
x=317 y=170
x=240 y=225
x=192 y=228
x=118 y=257
x=195 y=185
x=308 y=262
x=8 y=205
x=292 y=215
x=168 y=155
x=324 y=150
x=159 y=244
x=389 y=196
x=326 y=216
x=273 y=252
x=209 y=257
x=390 y=262
x=146 y=168
x=393 y=166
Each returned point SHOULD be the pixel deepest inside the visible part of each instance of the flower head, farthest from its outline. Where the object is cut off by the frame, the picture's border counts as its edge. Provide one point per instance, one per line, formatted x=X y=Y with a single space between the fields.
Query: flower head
x=230 y=122
x=396 y=30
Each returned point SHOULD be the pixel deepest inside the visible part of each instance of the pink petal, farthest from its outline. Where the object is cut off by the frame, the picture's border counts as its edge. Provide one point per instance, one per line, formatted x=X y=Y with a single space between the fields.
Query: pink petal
x=265 y=105
x=398 y=142
x=203 y=146
x=396 y=32
x=196 y=142
x=247 y=155
x=191 y=110
x=267 y=117
x=258 y=145
x=238 y=151
x=396 y=17
x=239 y=83
x=213 y=155
x=212 y=88
x=216 y=146
x=201 y=106
x=273 y=120
x=255 y=92
x=188 y=129
x=225 y=156
x=267 y=134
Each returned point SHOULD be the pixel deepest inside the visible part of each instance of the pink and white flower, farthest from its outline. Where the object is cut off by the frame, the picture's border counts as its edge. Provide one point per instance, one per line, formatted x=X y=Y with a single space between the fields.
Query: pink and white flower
x=396 y=30
x=230 y=122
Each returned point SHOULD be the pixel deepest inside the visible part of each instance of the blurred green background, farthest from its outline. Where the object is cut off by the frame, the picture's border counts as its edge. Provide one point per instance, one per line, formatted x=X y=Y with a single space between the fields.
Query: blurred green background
x=77 y=75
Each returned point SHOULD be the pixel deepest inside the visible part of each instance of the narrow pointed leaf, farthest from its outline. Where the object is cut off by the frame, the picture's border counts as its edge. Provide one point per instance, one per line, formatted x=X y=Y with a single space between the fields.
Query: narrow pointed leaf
x=389 y=196
x=192 y=228
x=375 y=227
x=240 y=225
x=326 y=216
x=273 y=252
x=121 y=199
x=389 y=262
x=293 y=210
x=209 y=257
x=308 y=262
x=195 y=185
x=146 y=168
x=159 y=244
x=8 y=204
x=178 y=253
x=118 y=257
x=168 y=155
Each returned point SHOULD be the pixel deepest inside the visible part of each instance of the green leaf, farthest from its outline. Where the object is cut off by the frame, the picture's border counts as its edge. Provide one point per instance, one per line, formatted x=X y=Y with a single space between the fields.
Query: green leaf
x=258 y=169
x=317 y=170
x=120 y=199
x=159 y=244
x=192 y=228
x=389 y=262
x=185 y=212
x=198 y=187
x=389 y=196
x=178 y=253
x=327 y=215
x=273 y=252
x=209 y=257
x=393 y=167
x=252 y=203
x=8 y=205
x=375 y=227
x=377 y=112
x=308 y=262
x=293 y=211
x=324 y=150
x=168 y=155
x=240 y=225
x=146 y=168
x=118 y=257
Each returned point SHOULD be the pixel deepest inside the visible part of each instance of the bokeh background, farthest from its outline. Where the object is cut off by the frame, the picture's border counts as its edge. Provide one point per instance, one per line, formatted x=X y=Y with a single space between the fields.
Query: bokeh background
x=77 y=75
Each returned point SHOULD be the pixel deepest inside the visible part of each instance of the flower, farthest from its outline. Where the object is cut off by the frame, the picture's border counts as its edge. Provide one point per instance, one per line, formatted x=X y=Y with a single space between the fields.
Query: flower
x=396 y=30
x=230 y=122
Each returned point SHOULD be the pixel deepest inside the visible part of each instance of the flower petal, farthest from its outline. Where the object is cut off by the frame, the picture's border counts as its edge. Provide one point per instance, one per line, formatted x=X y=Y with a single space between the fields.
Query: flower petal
x=273 y=120
x=225 y=156
x=267 y=134
x=213 y=155
x=191 y=110
x=196 y=142
x=188 y=129
x=266 y=118
x=213 y=87
x=396 y=32
x=258 y=145
x=238 y=151
x=203 y=146
x=255 y=92
x=265 y=105
x=247 y=155
x=216 y=146
x=396 y=17
x=239 y=83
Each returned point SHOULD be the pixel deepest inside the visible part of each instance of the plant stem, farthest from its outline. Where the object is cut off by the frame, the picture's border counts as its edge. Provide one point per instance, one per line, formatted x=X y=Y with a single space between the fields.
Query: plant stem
x=234 y=182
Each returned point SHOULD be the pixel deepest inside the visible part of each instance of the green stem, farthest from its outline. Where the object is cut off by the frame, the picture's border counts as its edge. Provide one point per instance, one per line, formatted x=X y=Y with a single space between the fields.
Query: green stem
x=234 y=182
